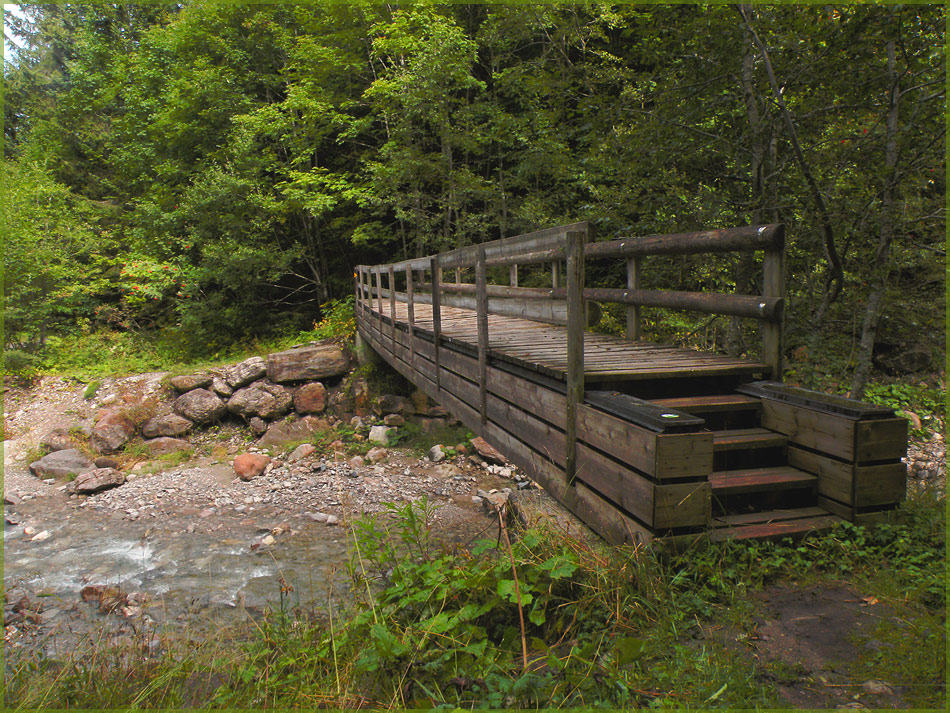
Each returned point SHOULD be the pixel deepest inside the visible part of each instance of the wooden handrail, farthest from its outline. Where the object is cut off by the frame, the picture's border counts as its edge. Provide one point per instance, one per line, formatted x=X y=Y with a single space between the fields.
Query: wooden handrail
x=554 y=305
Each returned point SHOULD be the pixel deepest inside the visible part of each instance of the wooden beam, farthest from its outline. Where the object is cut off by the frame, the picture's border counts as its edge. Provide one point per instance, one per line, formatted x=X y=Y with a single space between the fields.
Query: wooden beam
x=576 y=318
x=633 y=311
x=411 y=304
x=436 y=314
x=773 y=286
x=481 y=299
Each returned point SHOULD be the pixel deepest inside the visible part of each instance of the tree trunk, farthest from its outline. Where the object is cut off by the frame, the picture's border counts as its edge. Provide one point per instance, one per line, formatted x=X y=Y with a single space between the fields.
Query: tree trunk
x=875 y=303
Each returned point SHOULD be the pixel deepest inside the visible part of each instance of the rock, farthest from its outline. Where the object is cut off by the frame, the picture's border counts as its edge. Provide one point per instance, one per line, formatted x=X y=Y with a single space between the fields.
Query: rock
x=361 y=397
x=487 y=451
x=394 y=419
x=61 y=464
x=164 y=445
x=302 y=451
x=11 y=499
x=221 y=387
x=242 y=374
x=170 y=424
x=356 y=422
x=96 y=480
x=262 y=399
x=200 y=406
x=318 y=516
x=380 y=434
x=40 y=536
x=299 y=429
x=375 y=455
x=310 y=398
x=461 y=449
x=59 y=439
x=307 y=363
x=106 y=462
x=875 y=688
x=111 y=432
x=250 y=465
x=430 y=425
x=436 y=454
x=390 y=403
x=332 y=520
x=355 y=462
x=187 y=382
x=420 y=401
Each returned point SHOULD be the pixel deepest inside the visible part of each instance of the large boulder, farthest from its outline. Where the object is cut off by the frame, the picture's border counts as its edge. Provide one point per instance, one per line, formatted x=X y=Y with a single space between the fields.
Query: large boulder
x=200 y=406
x=390 y=403
x=94 y=481
x=61 y=464
x=170 y=424
x=487 y=451
x=288 y=431
x=381 y=434
x=187 y=382
x=111 y=432
x=238 y=375
x=262 y=399
x=307 y=363
x=310 y=398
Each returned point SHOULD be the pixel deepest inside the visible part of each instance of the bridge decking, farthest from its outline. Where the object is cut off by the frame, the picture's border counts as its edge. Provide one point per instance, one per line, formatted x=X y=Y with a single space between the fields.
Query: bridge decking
x=543 y=348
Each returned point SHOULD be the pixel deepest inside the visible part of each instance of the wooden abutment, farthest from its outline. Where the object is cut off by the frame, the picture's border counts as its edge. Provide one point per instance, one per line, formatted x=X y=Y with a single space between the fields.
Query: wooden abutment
x=640 y=440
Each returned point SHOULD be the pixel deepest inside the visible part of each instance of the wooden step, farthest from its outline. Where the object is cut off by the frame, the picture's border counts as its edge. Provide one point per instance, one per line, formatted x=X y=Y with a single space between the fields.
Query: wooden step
x=794 y=528
x=757 y=480
x=766 y=517
x=747 y=439
x=711 y=404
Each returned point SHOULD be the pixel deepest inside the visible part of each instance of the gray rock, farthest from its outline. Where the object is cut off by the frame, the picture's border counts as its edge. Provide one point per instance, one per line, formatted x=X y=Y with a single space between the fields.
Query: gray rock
x=257 y=425
x=394 y=419
x=238 y=375
x=262 y=399
x=106 y=462
x=200 y=406
x=487 y=451
x=302 y=451
x=59 y=439
x=170 y=424
x=299 y=429
x=165 y=445
x=307 y=363
x=390 y=403
x=380 y=434
x=94 y=481
x=220 y=387
x=375 y=455
x=61 y=464
x=436 y=454
x=187 y=382
x=355 y=462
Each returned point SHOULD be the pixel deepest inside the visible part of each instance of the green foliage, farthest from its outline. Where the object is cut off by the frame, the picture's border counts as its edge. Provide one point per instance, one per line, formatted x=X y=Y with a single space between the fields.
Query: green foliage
x=337 y=321
x=927 y=402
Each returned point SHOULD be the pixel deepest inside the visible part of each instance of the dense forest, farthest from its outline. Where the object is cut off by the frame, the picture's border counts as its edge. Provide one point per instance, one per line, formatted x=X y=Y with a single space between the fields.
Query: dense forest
x=213 y=172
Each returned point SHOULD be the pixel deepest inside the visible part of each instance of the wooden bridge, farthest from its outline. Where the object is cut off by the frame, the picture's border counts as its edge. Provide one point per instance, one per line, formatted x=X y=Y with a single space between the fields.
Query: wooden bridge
x=638 y=439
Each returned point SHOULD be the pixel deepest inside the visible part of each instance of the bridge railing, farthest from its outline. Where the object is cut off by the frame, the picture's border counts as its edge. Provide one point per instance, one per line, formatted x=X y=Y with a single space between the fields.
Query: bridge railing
x=572 y=303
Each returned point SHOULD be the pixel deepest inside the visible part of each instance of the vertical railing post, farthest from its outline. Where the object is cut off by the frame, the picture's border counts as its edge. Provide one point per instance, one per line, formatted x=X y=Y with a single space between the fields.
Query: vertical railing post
x=411 y=309
x=513 y=275
x=575 y=346
x=773 y=285
x=555 y=274
x=392 y=305
x=379 y=299
x=633 y=311
x=481 y=315
x=436 y=316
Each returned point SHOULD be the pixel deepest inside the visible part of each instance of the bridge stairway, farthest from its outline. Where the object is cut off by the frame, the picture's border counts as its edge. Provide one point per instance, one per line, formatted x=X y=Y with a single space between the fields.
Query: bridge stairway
x=755 y=493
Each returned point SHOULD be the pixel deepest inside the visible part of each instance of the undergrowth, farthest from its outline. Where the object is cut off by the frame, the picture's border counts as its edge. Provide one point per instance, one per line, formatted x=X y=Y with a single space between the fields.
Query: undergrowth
x=538 y=620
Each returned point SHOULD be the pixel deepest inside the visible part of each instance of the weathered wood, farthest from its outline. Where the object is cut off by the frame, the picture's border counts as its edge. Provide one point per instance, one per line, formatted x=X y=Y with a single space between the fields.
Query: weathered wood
x=575 y=345
x=513 y=276
x=815 y=400
x=773 y=287
x=555 y=275
x=850 y=484
x=482 y=321
x=751 y=306
x=711 y=404
x=633 y=311
x=756 y=480
x=436 y=314
x=796 y=528
x=411 y=312
x=881 y=439
x=747 y=438
x=392 y=300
